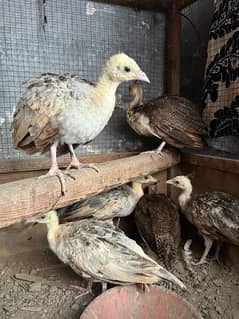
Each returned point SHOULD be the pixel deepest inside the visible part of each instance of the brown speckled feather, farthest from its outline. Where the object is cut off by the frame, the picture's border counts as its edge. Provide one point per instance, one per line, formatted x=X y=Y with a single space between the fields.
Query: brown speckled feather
x=157 y=220
x=45 y=98
x=216 y=215
x=174 y=119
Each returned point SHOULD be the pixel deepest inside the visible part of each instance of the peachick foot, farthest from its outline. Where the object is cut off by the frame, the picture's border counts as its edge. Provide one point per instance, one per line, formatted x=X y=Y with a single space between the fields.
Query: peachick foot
x=55 y=171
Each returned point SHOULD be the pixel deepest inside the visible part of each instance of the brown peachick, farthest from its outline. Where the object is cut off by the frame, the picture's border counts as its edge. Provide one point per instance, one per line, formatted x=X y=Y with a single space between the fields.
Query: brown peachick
x=157 y=220
x=214 y=214
x=173 y=119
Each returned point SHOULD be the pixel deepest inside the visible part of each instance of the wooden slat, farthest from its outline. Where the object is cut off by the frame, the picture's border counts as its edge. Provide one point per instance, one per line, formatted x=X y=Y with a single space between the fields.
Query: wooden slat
x=181 y=4
x=29 y=197
x=35 y=164
x=151 y=5
x=173 y=50
x=209 y=161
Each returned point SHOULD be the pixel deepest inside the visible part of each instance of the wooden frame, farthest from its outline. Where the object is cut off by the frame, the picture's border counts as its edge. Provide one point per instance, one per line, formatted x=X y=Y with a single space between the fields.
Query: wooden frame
x=29 y=197
x=217 y=162
x=151 y=5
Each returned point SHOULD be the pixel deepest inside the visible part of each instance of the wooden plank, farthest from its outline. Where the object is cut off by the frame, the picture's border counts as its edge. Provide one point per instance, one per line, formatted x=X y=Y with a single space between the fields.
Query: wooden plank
x=181 y=4
x=43 y=163
x=12 y=177
x=151 y=5
x=29 y=197
x=173 y=50
x=215 y=162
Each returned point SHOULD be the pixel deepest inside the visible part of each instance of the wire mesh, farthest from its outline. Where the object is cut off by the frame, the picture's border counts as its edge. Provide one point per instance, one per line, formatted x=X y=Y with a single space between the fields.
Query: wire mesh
x=77 y=37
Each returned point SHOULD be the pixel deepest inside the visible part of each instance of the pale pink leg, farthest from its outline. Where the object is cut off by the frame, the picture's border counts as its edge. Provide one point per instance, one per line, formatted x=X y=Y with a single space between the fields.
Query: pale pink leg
x=208 y=244
x=158 y=150
x=86 y=291
x=75 y=163
x=217 y=252
x=54 y=170
x=104 y=286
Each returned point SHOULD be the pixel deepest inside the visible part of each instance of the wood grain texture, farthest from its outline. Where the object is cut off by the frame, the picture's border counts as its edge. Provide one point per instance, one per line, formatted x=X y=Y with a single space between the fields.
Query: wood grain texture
x=36 y=164
x=151 y=5
x=173 y=50
x=25 y=198
x=214 y=162
x=181 y=4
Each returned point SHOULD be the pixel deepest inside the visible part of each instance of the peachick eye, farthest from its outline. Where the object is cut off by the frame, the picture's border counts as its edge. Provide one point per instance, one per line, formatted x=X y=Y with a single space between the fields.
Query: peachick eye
x=127 y=69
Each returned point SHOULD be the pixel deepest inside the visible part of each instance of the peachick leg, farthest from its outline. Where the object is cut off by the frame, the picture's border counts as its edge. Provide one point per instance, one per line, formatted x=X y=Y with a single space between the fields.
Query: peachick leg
x=86 y=291
x=158 y=150
x=217 y=252
x=104 y=286
x=54 y=170
x=75 y=163
x=208 y=245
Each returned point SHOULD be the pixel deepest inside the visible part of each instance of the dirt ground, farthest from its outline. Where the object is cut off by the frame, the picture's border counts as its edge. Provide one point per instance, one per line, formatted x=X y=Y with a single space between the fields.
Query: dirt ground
x=213 y=289
x=33 y=285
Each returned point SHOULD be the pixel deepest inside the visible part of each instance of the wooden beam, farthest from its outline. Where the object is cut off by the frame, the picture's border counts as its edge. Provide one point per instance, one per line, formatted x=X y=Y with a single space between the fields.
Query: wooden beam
x=22 y=199
x=173 y=50
x=43 y=163
x=151 y=5
x=224 y=164
x=181 y=4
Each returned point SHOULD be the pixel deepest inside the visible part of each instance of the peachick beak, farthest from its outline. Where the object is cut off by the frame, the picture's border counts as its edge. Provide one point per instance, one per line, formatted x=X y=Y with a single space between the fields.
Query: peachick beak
x=153 y=180
x=30 y=220
x=142 y=76
x=169 y=182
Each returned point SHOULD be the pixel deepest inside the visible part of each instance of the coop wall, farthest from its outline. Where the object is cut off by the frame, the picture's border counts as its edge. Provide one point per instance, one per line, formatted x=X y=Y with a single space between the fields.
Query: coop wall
x=76 y=37
x=194 y=48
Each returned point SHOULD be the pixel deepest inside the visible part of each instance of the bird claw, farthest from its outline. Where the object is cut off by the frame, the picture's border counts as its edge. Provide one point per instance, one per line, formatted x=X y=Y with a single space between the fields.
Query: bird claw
x=200 y=262
x=89 y=165
x=153 y=152
x=73 y=164
x=85 y=292
x=55 y=171
x=216 y=259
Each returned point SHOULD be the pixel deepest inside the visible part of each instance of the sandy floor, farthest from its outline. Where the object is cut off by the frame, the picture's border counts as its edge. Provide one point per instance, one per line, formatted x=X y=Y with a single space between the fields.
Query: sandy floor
x=34 y=286
x=48 y=295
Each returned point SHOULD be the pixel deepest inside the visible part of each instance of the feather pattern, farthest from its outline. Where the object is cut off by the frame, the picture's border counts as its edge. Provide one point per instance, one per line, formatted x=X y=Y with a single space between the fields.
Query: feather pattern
x=49 y=109
x=216 y=215
x=157 y=220
x=95 y=249
x=173 y=119
x=117 y=202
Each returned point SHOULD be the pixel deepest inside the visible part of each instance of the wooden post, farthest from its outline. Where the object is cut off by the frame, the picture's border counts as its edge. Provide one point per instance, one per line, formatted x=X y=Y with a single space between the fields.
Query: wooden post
x=173 y=50
x=181 y=4
x=25 y=198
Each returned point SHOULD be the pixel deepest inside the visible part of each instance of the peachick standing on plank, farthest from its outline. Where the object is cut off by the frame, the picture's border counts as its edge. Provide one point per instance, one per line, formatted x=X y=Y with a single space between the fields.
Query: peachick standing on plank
x=214 y=214
x=58 y=112
x=117 y=202
x=173 y=119
x=99 y=252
